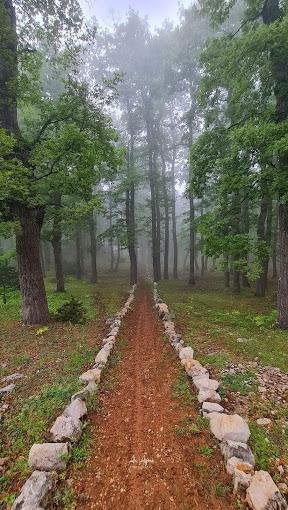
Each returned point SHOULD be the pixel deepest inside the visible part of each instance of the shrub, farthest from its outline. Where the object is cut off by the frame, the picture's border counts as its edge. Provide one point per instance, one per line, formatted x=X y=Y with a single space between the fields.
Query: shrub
x=71 y=311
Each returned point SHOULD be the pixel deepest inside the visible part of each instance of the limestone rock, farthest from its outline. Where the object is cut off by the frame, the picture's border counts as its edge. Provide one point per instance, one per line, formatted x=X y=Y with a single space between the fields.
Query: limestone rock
x=76 y=410
x=241 y=480
x=66 y=428
x=204 y=383
x=163 y=311
x=210 y=407
x=193 y=367
x=36 y=492
x=229 y=427
x=209 y=396
x=92 y=375
x=186 y=353
x=49 y=456
x=7 y=389
x=264 y=421
x=235 y=463
x=283 y=487
x=235 y=449
x=102 y=356
x=12 y=377
x=88 y=390
x=263 y=493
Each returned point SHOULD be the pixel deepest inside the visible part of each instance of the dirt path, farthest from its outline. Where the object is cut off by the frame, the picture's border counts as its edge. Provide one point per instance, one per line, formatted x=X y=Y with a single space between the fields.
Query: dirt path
x=139 y=460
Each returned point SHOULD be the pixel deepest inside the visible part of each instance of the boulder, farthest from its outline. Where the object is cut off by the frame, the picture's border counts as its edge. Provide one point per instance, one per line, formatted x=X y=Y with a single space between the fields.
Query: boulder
x=36 y=492
x=88 y=390
x=66 y=428
x=209 y=396
x=186 y=353
x=210 y=407
x=263 y=493
x=102 y=356
x=76 y=410
x=12 y=377
x=229 y=427
x=49 y=456
x=92 y=375
x=108 y=339
x=163 y=311
x=204 y=383
x=235 y=463
x=193 y=367
x=235 y=449
x=7 y=389
x=263 y=422
x=241 y=480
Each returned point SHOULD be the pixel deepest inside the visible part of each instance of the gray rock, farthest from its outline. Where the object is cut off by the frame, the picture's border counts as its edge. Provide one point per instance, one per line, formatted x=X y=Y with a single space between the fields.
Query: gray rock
x=91 y=375
x=210 y=407
x=241 y=480
x=49 y=456
x=244 y=340
x=264 y=421
x=229 y=427
x=263 y=493
x=12 y=377
x=7 y=389
x=186 y=353
x=36 y=492
x=235 y=449
x=209 y=396
x=66 y=428
x=92 y=387
x=76 y=410
x=204 y=383
x=236 y=463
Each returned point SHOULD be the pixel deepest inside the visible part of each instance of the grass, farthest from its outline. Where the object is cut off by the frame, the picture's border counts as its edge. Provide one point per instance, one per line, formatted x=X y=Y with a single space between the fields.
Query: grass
x=51 y=361
x=242 y=383
x=181 y=389
x=213 y=315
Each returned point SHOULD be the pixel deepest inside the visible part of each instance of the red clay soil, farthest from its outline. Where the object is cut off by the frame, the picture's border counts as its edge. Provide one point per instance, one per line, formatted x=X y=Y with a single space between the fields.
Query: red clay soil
x=139 y=459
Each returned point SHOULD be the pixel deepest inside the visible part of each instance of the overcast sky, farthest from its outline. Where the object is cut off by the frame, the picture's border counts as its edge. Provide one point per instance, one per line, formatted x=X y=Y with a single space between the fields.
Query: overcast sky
x=108 y=10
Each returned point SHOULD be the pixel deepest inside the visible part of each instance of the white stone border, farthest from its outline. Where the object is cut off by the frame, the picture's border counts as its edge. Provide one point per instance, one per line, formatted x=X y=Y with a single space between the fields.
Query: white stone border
x=47 y=459
x=231 y=430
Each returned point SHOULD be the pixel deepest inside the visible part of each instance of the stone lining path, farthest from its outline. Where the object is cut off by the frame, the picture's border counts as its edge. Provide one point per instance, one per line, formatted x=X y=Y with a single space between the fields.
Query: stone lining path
x=138 y=459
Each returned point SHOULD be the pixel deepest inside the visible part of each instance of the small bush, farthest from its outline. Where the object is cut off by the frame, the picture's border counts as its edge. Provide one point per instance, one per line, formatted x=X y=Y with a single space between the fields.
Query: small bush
x=71 y=311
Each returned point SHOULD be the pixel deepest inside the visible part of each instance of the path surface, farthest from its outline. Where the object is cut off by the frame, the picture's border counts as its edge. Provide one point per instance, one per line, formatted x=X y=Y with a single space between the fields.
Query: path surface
x=138 y=460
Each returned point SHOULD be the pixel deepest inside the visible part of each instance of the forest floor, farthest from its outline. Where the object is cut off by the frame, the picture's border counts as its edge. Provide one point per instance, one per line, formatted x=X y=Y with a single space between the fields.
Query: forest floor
x=50 y=362
x=150 y=448
x=236 y=338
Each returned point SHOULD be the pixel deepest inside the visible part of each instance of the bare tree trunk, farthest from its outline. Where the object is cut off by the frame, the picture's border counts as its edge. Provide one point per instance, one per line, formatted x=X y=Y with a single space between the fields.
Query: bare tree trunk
x=34 y=301
x=79 y=254
x=116 y=268
x=130 y=208
x=42 y=260
x=191 y=241
x=111 y=236
x=275 y=242
x=166 y=213
x=227 y=273
x=245 y=228
x=57 y=244
x=174 y=226
x=283 y=270
x=93 y=249
x=236 y=229
x=264 y=236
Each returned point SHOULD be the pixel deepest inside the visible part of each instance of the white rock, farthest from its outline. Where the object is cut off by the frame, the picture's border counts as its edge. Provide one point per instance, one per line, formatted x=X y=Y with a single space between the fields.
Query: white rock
x=208 y=396
x=241 y=480
x=236 y=449
x=66 y=428
x=36 y=491
x=193 y=367
x=235 y=463
x=92 y=375
x=264 y=421
x=102 y=356
x=229 y=427
x=186 y=353
x=49 y=456
x=210 y=407
x=92 y=387
x=12 y=377
x=204 y=383
x=7 y=389
x=263 y=493
x=76 y=410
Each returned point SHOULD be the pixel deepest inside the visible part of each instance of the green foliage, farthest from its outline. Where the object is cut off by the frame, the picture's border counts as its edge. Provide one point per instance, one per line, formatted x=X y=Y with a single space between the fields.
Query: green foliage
x=266 y=321
x=8 y=275
x=264 y=449
x=72 y=311
x=205 y=450
x=181 y=389
x=242 y=383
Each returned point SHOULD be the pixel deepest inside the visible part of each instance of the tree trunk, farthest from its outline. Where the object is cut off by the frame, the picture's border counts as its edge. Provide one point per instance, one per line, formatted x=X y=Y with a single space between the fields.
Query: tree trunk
x=42 y=260
x=174 y=226
x=283 y=269
x=79 y=254
x=191 y=240
x=8 y=68
x=116 y=268
x=264 y=237
x=227 y=273
x=130 y=208
x=93 y=249
x=236 y=229
x=158 y=216
x=34 y=301
x=57 y=245
x=166 y=216
x=275 y=242
x=271 y=12
x=202 y=246
x=245 y=230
